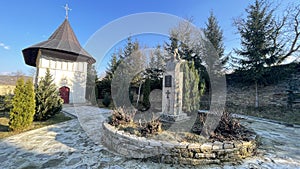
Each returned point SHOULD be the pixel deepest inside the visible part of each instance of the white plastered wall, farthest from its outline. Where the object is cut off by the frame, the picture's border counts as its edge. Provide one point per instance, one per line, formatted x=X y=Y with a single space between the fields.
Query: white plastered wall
x=65 y=73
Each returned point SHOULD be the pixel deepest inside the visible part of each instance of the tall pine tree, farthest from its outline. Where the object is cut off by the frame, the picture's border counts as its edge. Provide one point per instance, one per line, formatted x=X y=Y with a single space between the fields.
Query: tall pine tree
x=214 y=34
x=256 y=39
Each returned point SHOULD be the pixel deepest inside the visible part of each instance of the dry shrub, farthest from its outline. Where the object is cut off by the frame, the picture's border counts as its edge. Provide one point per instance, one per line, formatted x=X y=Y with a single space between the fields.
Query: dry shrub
x=121 y=116
x=228 y=128
x=123 y=119
x=151 y=127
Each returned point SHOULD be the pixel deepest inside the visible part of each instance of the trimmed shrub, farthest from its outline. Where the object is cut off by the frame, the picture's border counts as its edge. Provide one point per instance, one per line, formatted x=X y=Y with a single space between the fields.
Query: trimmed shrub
x=23 y=106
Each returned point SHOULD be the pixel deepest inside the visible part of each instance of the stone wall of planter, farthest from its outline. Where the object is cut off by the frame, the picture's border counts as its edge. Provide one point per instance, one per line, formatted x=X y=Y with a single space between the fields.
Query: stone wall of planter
x=174 y=152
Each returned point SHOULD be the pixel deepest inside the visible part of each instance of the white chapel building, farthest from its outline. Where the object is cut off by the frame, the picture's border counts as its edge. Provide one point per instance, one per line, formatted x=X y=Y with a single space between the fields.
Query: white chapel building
x=67 y=61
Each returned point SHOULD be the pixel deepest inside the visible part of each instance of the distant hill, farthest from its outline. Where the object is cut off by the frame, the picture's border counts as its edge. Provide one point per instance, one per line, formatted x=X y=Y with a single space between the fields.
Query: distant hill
x=11 y=80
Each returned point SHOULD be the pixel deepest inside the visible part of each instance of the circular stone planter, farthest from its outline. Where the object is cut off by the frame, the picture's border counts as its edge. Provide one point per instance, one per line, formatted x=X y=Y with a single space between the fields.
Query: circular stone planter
x=174 y=152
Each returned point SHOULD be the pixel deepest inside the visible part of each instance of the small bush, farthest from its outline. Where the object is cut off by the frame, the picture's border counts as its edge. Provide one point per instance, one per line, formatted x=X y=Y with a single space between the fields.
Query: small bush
x=227 y=129
x=6 y=102
x=123 y=119
x=151 y=127
x=121 y=116
x=106 y=100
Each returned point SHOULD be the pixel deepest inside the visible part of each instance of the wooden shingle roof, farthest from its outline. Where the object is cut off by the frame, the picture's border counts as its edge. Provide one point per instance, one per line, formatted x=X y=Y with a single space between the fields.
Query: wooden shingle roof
x=63 y=41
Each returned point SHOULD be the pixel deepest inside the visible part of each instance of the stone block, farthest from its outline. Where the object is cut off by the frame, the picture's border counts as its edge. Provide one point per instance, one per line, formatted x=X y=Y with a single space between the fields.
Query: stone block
x=168 y=145
x=193 y=146
x=220 y=152
x=137 y=154
x=210 y=155
x=175 y=150
x=206 y=147
x=238 y=144
x=133 y=147
x=217 y=147
x=148 y=147
x=160 y=150
x=200 y=155
x=155 y=143
x=181 y=145
x=122 y=151
x=217 y=142
x=142 y=142
x=184 y=153
x=228 y=146
x=196 y=150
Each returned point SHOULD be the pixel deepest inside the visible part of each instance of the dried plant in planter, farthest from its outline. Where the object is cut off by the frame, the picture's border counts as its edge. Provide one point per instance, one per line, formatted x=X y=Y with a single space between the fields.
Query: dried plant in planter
x=227 y=129
x=121 y=116
x=151 y=127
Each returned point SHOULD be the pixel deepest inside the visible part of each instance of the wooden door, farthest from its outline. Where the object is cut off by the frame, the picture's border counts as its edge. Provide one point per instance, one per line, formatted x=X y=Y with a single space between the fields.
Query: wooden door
x=64 y=94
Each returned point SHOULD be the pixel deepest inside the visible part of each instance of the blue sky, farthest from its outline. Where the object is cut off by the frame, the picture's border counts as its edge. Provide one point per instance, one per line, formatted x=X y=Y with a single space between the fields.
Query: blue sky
x=24 y=23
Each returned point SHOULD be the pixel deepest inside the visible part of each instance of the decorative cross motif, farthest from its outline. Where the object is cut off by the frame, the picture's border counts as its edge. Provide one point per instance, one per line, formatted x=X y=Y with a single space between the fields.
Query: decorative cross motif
x=67 y=10
x=168 y=92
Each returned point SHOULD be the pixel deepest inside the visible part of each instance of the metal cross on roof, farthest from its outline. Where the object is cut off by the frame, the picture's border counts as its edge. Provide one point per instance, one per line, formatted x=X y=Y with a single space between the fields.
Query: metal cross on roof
x=67 y=10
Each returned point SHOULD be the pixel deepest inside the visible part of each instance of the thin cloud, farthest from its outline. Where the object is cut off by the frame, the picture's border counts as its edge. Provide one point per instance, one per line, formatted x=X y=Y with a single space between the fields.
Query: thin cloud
x=6 y=47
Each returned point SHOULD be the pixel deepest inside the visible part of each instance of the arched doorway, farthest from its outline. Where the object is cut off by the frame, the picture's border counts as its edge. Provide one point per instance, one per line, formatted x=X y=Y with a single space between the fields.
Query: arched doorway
x=64 y=94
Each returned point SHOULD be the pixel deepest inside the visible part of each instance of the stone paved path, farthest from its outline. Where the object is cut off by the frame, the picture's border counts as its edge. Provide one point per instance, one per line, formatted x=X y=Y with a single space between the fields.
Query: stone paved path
x=76 y=144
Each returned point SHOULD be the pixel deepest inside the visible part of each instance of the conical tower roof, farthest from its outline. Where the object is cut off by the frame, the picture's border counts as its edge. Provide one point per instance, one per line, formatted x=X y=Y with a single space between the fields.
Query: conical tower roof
x=63 y=43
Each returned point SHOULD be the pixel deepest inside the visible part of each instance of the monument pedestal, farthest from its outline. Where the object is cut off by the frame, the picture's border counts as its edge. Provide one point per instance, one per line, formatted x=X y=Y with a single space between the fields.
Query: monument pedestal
x=172 y=91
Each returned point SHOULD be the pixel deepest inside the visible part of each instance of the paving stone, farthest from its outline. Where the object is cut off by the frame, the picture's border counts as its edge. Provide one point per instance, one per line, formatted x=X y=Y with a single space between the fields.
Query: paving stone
x=3 y=158
x=31 y=166
x=116 y=167
x=67 y=144
x=42 y=156
x=74 y=161
x=83 y=166
x=52 y=163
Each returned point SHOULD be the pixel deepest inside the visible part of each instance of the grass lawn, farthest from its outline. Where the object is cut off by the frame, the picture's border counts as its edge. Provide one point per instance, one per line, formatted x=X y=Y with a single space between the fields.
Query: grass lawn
x=4 y=130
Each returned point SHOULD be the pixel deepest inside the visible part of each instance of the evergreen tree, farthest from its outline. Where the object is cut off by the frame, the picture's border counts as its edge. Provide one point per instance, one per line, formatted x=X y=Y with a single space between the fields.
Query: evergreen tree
x=146 y=93
x=91 y=80
x=30 y=102
x=48 y=101
x=128 y=73
x=214 y=34
x=156 y=64
x=112 y=66
x=103 y=87
x=8 y=102
x=257 y=43
x=21 y=115
x=191 y=92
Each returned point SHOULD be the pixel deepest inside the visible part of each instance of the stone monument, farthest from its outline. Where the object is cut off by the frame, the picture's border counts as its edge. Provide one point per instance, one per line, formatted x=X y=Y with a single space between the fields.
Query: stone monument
x=172 y=90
